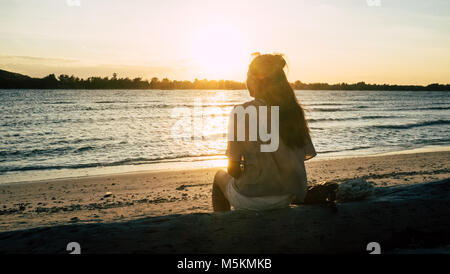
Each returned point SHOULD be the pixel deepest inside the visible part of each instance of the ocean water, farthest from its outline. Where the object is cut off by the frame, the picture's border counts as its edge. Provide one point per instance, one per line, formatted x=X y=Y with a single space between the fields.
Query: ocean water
x=44 y=130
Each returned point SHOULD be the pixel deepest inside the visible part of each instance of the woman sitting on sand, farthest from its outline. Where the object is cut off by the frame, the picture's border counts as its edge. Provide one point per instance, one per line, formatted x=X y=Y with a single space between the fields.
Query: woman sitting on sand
x=266 y=180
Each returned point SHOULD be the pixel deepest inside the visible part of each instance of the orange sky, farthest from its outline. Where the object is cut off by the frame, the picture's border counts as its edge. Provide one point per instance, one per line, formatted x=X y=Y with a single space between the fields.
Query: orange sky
x=403 y=42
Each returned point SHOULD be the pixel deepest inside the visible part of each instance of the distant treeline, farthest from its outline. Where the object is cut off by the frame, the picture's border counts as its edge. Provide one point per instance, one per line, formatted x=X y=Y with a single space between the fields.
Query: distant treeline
x=9 y=80
x=363 y=86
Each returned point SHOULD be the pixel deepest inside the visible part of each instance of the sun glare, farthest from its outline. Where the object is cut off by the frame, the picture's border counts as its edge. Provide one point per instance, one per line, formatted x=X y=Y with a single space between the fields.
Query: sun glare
x=220 y=52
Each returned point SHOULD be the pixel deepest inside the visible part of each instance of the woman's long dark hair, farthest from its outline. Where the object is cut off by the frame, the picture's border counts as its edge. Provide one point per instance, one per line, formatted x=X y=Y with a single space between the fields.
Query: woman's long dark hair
x=266 y=73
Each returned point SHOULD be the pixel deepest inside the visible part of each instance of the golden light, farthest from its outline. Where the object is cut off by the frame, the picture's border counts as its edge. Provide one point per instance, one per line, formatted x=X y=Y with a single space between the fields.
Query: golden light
x=220 y=52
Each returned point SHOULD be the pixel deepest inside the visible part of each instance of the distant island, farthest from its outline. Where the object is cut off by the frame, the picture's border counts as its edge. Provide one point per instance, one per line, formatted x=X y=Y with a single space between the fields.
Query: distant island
x=11 y=80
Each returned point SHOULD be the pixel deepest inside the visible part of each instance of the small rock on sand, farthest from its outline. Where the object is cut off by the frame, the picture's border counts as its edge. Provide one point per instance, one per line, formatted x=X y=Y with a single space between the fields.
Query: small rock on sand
x=181 y=187
x=74 y=219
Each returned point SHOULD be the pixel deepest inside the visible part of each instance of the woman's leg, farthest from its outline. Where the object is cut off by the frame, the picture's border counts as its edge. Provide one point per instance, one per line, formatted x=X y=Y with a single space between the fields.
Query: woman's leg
x=219 y=191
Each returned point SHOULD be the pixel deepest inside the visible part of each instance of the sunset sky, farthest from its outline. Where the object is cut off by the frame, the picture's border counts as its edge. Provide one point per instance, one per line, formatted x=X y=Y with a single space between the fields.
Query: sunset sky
x=401 y=41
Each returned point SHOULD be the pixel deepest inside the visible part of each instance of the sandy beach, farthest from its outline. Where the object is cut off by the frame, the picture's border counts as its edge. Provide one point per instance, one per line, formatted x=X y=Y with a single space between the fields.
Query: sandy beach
x=150 y=194
x=124 y=198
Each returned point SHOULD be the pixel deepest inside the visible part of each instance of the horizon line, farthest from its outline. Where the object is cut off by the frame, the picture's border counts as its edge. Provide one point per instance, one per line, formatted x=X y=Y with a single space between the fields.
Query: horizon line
x=229 y=80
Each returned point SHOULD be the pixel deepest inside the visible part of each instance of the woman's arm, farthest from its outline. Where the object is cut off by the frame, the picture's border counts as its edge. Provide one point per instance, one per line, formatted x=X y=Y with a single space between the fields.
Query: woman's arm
x=234 y=168
x=234 y=149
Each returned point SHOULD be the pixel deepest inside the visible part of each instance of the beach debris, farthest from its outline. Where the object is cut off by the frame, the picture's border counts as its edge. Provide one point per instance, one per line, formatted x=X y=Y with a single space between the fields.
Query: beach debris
x=182 y=187
x=322 y=192
x=74 y=219
x=108 y=194
x=353 y=190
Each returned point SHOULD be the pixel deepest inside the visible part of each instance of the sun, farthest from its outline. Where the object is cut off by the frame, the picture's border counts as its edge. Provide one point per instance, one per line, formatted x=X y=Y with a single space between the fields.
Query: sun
x=220 y=52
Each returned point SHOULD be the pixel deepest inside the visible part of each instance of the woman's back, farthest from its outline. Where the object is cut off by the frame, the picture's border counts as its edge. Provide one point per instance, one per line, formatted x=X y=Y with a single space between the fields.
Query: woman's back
x=274 y=173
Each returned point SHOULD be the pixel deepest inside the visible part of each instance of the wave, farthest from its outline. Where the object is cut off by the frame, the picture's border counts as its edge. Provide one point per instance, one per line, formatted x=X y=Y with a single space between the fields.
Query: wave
x=78 y=141
x=438 y=108
x=186 y=105
x=353 y=108
x=27 y=123
x=215 y=136
x=438 y=141
x=111 y=105
x=47 y=151
x=416 y=108
x=82 y=149
x=27 y=153
x=368 y=117
x=328 y=109
x=59 y=103
x=127 y=161
x=111 y=102
x=342 y=150
x=332 y=119
x=116 y=105
x=326 y=104
x=413 y=125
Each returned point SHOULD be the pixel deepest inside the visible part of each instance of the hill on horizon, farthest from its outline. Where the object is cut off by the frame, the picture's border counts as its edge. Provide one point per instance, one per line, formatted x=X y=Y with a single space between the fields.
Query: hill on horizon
x=12 y=76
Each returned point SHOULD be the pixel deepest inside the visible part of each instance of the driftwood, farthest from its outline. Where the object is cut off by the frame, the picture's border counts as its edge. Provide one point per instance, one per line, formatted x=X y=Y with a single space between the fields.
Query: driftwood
x=412 y=216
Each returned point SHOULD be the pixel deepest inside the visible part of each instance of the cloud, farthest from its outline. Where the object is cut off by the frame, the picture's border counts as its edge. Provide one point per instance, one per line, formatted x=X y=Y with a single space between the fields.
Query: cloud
x=9 y=59
x=41 y=66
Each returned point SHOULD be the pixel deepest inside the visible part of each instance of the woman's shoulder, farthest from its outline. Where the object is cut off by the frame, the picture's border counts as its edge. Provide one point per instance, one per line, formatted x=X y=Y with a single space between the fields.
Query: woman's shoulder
x=254 y=102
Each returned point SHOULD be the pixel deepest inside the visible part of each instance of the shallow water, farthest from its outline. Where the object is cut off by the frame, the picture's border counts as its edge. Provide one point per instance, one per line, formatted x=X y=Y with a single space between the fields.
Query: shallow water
x=75 y=129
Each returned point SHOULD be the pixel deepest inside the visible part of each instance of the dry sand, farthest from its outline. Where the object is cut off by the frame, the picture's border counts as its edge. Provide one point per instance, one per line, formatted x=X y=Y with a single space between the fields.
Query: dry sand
x=124 y=198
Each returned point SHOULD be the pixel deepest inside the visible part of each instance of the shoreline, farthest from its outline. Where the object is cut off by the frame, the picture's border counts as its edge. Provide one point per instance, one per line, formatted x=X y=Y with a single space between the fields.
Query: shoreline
x=196 y=163
x=130 y=196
